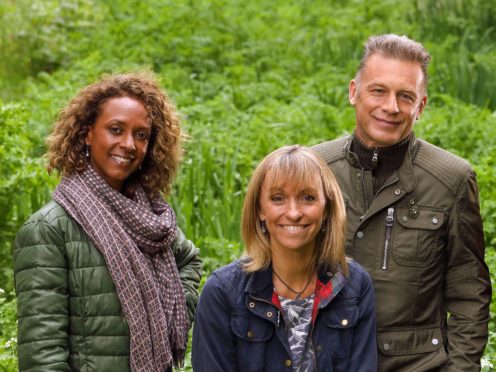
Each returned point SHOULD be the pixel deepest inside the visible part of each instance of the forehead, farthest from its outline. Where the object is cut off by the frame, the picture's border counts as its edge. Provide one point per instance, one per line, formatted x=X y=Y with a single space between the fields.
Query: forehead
x=125 y=109
x=280 y=179
x=124 y=102
x=392 y=72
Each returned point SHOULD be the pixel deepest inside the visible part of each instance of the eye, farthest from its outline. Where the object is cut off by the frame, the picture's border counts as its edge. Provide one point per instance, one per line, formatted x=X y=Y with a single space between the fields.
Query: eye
x=277 y=198
x=115 y=130
x=378 y=91
x=142 y=136
x=309 y=198
x=406 y=97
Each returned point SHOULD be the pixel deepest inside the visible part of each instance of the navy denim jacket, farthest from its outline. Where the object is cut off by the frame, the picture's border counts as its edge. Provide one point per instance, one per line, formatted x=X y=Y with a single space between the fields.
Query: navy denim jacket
x=239 y=328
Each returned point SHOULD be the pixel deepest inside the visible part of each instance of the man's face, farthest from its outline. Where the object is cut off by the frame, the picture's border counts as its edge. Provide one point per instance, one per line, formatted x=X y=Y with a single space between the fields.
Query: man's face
x=388 y=99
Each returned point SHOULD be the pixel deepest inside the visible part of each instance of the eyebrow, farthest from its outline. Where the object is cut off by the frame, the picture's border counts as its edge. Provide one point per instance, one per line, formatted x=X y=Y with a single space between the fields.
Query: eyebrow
x=120 y=122
x=374 y=84
x=306 y=189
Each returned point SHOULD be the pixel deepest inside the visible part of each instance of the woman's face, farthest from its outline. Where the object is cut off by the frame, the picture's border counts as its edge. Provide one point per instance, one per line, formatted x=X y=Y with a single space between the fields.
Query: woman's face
x=119 y=139
x=293 y=215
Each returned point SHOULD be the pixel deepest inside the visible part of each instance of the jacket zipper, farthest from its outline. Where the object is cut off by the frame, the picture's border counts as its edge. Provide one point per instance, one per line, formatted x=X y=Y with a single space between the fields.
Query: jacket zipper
x=375 y=160
x=362 y=176
x=389 y=227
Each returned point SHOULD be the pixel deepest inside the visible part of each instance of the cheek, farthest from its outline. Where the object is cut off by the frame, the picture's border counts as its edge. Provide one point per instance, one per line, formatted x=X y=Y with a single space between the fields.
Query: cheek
x=143 y=149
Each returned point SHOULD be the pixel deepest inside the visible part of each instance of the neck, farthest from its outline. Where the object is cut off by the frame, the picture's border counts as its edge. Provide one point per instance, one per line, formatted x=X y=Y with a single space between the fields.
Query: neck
x=294 y=271
x=389 y=157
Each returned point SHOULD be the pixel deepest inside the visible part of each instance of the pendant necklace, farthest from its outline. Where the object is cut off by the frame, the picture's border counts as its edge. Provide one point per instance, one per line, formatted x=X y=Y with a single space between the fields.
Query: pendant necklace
x=297 y=293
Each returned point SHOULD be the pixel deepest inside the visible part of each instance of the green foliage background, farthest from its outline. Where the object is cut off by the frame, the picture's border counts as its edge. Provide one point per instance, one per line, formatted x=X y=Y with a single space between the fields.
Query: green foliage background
x=248 y=77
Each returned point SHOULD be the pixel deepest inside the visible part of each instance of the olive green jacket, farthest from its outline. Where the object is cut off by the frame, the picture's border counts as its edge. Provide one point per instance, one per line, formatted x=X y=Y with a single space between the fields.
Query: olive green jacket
x=420 y=237
x=69 y=316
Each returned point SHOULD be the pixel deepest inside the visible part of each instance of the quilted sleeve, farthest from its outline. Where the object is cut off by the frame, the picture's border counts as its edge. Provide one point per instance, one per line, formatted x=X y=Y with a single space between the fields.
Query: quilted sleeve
x=41 y=281
x=189 y=265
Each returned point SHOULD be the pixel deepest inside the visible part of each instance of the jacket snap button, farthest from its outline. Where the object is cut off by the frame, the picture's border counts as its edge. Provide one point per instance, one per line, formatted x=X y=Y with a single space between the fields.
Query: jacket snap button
x=269 y=314
x=397 y=192
x=344 y=322
x=412 y=202
x=386 y=347
x=287 y=363
x=404 y=218
x=251 y=304
x=250 y=334
x=435 y=221
x=360 y=234
x=435 y=341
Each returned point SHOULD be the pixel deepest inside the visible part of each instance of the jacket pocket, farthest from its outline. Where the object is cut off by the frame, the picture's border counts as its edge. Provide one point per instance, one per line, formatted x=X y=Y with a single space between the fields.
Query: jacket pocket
x=410 y=340
x=253 y=335
x=416 y=235
x=339 y=323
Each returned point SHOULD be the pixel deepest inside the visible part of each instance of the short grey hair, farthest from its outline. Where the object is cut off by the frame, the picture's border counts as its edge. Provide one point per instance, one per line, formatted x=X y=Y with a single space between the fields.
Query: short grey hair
x=397 y=47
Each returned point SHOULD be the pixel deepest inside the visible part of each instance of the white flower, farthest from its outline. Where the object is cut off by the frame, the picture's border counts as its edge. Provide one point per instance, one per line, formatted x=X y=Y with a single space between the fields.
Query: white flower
x=11 y=342
x=486 y=363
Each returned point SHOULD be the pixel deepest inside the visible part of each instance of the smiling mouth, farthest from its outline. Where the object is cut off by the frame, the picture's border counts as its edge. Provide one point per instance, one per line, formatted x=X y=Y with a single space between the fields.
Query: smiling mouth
x=293 y=227
x=121 y=160
x=388 y=122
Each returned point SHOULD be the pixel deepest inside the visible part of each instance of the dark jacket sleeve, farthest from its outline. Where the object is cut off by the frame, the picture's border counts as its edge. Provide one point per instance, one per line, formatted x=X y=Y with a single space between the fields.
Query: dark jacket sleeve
x=189 y=265
x=364 y=346
x=41 y=281
x=468 y=286
x=214 y=347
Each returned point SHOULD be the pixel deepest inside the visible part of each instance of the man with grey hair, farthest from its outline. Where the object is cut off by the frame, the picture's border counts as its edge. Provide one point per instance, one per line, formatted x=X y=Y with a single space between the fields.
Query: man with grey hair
x=413 y=218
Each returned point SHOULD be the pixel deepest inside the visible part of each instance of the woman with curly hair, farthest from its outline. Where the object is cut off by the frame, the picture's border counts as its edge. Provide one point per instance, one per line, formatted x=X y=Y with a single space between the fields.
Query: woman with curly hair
x=104 y=279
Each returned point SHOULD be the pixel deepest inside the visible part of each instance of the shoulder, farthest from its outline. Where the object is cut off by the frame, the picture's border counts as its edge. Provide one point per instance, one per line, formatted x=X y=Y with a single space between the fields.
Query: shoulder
x=46 y=218
x=446 y=167
x=334 y=150
x=227 y=277
x=358 y=278
x=49 y=225
x=40 y=242
x=50 y=213
x=357 y=272
x=224 y=285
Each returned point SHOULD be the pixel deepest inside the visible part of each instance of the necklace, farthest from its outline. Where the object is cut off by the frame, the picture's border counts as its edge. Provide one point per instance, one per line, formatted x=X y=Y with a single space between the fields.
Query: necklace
x=297 y=293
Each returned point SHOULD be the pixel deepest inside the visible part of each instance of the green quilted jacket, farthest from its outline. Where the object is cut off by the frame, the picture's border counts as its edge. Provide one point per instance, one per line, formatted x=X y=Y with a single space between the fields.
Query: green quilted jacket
x=69 y=315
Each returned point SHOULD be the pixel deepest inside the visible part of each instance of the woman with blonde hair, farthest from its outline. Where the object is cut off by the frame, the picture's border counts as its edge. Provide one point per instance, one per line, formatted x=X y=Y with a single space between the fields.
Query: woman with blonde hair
x=293 y=302
x=104 y=278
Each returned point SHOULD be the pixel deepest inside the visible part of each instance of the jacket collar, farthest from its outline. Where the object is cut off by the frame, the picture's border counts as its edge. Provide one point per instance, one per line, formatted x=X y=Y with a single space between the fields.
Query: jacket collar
x=259 y=283
x=413 y=146
x=402 y=182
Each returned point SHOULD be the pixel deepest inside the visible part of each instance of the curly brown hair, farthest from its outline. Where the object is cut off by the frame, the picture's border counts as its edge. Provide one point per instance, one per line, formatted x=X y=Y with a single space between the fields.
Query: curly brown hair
x=66 y=143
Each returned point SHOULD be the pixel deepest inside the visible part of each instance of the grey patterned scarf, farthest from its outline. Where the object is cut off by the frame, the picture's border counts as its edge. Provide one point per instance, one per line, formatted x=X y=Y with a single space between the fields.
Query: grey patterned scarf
x=134 y=236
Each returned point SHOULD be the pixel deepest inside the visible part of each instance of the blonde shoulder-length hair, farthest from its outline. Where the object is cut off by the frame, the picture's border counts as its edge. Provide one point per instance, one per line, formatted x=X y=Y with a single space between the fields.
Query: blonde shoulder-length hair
x=295 y=166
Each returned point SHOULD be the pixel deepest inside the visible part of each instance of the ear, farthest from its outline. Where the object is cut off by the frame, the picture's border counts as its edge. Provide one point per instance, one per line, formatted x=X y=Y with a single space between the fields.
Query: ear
x=89 y=136
x=261 y=215
x=352 y=90
x=423 y=102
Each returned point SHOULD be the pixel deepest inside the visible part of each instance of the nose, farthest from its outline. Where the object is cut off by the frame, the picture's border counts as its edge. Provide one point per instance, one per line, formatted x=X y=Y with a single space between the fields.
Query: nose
x=391 y=104
x=293 y=210
x=128 y=142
